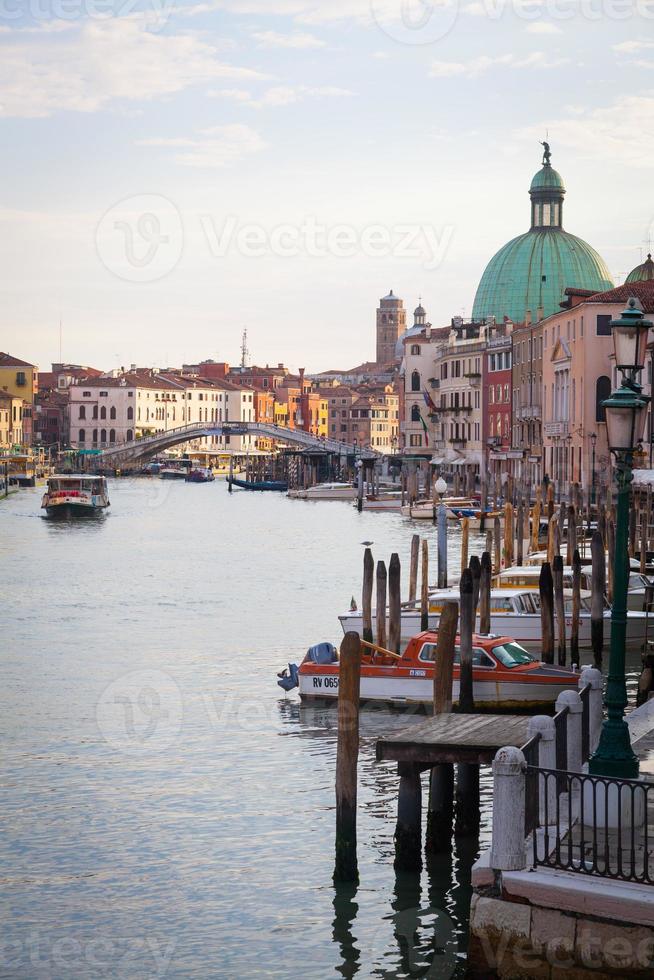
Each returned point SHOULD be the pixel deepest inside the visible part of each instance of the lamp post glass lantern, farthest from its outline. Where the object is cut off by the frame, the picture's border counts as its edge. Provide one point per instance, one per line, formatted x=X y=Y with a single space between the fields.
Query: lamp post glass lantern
x=626 y=413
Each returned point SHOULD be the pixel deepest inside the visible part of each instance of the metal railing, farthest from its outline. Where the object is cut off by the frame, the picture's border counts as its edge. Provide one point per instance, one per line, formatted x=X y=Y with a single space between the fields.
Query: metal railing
x=596 y=826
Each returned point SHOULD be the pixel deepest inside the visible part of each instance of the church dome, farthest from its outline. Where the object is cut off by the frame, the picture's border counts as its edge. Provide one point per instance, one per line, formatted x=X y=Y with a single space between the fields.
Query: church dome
x=642 y=272
x=532 y=271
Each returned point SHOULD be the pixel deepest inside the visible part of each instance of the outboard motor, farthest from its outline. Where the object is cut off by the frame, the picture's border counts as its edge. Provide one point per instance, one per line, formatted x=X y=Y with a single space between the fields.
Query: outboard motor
x=288 y=679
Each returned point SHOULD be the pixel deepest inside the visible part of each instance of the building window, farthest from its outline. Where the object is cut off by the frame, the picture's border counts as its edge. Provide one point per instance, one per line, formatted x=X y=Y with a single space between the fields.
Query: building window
x=103 y=412
x=95 y=411
x=130 y=412
x=415 y=439
x=415 y=381
x=415 y=348
x=95 y=436
x=415 y=413
x=82 y=411
x=112 y=412
x=112 y=436
x=82 y=435
x=103 y=394
x=602 y=391
x=130 y=435
x=103 y=435
x=604 y=326
x=20 y=378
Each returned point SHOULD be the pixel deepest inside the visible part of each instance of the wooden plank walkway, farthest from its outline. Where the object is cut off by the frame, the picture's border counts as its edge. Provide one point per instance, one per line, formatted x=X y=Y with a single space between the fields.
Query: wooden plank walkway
x=454 y=738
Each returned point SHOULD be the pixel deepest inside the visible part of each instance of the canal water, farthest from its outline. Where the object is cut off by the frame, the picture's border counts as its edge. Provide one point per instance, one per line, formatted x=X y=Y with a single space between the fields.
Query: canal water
x=168 y=810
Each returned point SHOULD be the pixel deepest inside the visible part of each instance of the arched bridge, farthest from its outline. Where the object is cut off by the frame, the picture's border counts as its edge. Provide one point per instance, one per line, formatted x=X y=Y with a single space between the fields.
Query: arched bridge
x=141 y=449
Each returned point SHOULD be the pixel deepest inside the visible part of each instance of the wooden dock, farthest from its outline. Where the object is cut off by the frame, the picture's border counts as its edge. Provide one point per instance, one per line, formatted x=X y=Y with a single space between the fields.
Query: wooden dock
x=452 y=738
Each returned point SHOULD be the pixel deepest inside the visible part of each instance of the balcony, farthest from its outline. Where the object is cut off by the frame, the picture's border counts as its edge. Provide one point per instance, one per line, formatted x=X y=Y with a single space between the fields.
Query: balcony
x=456 y=441
x=457 y=409
x=556 y=429
x=525 y=412
x=434 y=382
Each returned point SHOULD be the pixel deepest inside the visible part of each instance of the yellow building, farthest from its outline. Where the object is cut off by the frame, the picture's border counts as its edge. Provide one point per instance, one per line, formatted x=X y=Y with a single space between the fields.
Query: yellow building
x=18 y=378
x=11 y=421
x=323 y=417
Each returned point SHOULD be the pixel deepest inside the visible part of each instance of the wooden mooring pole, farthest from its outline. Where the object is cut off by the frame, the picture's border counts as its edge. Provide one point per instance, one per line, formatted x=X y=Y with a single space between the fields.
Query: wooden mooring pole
x=347 y=755
x=413 y=567
x=394 y=604
x=546 y=589
x=441 y=780
x=467 y=783
x=576 y=608
x=366 y=594
x=381 y=603
x=424 y=587
x=484 y=593
x=557 y=576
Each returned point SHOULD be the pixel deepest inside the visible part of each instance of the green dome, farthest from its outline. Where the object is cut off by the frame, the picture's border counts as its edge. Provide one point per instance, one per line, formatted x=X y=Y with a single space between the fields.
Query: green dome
x=532 y=271
x=547 y=179
x=642 y=272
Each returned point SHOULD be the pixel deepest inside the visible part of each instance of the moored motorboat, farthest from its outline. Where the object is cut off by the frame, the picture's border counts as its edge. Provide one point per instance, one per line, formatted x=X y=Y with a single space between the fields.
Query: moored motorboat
x=75 y=495
x=281 y=486
x=505 y=676
x=514 y=612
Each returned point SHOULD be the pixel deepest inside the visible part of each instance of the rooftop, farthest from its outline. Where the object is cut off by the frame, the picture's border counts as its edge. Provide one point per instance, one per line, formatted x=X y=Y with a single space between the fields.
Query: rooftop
x=8 y=360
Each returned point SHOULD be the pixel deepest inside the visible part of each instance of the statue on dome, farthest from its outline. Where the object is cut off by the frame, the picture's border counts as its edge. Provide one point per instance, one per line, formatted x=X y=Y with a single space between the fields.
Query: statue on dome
x=547 y=153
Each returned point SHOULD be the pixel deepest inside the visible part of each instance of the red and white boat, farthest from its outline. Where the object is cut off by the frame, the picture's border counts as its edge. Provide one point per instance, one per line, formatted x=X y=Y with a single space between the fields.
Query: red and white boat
x=505 y=676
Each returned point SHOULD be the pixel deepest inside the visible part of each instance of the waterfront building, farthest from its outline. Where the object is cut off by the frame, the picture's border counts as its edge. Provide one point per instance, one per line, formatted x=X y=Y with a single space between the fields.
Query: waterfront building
x=391 y=323
x=20 y=379
x=526 y=405
x=497 y=397
x=458 y=431
x=110 y=411
x=578 y=375
x=51 y=422
x=374 y=419
x=419 y=385
x=532 y=271
x=11 y=421
x=339 y=399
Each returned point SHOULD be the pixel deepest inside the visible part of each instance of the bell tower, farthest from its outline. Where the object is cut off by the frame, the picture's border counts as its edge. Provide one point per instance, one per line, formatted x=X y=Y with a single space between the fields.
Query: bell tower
x=391 y=323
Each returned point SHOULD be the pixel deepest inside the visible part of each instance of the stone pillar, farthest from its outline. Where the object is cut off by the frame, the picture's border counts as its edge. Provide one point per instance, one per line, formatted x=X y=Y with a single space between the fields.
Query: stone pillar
x=572 y=701
x=544 y=726
x=593 y=676
x=508 y=851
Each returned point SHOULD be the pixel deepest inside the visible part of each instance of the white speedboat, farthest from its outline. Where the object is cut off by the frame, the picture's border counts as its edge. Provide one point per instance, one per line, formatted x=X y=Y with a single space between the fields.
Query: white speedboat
x=75 y=495
x=514 y=612
x=521 y=576
x=327 y=491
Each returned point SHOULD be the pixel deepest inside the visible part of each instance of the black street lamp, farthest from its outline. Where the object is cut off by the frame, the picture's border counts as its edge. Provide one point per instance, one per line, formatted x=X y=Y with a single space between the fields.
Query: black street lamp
x=626 y=413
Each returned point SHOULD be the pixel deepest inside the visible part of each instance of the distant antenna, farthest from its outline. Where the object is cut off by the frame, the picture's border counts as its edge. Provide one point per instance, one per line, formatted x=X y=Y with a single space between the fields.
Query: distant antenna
x=245 y=353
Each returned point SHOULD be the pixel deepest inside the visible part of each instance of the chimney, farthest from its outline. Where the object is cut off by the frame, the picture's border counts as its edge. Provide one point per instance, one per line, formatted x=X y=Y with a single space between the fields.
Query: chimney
x=428 y=332
x=528 y=318
x=539 y=314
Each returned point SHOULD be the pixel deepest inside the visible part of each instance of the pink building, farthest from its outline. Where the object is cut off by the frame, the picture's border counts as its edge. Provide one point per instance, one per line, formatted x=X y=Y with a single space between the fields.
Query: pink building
x=578 y=374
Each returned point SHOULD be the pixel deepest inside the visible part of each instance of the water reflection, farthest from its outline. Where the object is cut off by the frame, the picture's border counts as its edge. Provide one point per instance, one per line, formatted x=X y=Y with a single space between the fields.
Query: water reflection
x=345 y=913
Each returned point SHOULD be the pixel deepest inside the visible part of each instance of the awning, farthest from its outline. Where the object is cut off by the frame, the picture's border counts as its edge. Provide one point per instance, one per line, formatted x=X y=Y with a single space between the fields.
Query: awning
x=436 y=460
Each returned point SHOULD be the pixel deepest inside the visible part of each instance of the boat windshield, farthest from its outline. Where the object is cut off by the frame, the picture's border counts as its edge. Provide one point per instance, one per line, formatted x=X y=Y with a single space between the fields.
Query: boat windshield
x=529 y=602
x=511 y=654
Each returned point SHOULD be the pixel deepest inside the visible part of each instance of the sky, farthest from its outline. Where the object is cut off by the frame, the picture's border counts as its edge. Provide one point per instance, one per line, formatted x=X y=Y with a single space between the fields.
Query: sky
x=172 y=173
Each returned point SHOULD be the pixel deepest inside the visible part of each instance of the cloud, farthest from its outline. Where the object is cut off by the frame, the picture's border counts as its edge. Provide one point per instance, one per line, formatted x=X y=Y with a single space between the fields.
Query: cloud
x=478 y=66
x=543 y=27
x=279 y=95
x=622 y=131
x=111 y=60
x=630 y=47
x=271 y=39
x=218 y=146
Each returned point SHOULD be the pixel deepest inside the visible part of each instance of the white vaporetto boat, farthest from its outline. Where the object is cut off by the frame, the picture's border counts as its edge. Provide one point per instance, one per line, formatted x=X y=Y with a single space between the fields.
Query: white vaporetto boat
x=75 y=495
x=514 y=612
